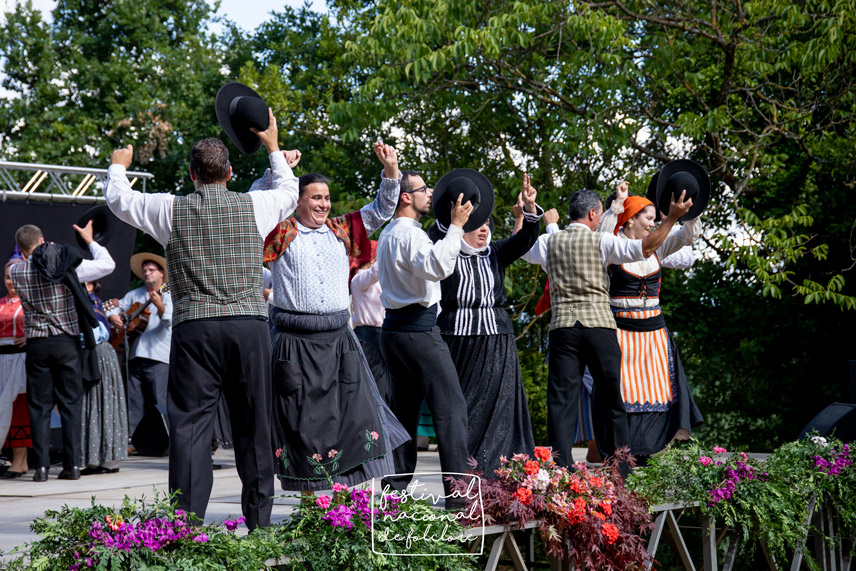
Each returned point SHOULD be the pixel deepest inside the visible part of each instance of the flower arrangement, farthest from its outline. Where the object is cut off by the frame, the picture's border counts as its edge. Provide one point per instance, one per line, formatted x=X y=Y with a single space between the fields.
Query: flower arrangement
x=139 y=535
x=358 y=530
x=763 y=501
x=587 y=516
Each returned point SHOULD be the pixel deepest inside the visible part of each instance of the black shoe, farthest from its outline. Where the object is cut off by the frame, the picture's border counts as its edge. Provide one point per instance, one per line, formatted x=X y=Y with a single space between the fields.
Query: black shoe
x=41 y=475
x=72 y=473
x=11 y=474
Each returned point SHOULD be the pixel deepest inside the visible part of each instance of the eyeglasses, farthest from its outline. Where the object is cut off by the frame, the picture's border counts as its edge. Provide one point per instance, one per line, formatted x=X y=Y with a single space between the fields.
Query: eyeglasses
x=423 y=188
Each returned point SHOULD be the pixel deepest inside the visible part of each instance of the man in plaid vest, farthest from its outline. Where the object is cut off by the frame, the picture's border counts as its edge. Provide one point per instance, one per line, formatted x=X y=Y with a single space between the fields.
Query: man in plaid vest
x=53 y=343
x=582 y=329
x=220 y=337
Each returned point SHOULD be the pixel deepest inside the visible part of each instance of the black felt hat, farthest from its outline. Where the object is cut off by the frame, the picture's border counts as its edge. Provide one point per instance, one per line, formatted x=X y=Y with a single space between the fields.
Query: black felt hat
x=674 y=178
x=103 y=225
x=475 y=187
x=239 y=108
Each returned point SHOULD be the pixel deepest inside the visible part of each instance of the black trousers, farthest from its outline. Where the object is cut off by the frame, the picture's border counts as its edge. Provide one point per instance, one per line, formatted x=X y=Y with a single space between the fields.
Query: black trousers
x=210 y=357
x=147 y=382
x=370 y=341
x=53 y=377
x=571 y=350
x=422 y=369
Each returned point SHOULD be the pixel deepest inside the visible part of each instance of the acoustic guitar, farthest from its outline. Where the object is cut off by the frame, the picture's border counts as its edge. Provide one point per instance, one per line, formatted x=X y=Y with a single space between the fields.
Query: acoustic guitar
x=135 y=321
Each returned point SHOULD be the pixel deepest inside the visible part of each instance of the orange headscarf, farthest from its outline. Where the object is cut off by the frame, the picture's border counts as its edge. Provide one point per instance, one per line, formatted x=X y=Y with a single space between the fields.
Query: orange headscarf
x=633 y=205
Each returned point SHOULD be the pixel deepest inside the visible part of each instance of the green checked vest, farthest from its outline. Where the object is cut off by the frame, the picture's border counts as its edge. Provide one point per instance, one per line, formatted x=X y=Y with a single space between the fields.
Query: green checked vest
x=214 y=256
x=579 y=284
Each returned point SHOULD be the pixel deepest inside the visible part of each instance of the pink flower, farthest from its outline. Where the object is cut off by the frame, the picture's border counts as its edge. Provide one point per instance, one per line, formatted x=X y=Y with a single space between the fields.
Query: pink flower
x=278 y=452
x=375 y=435
x=323 y=502
x=316 y=457
x=705 y=460
x=744 y=456
x=332 y=453
x=337 y=487
x=719 y=450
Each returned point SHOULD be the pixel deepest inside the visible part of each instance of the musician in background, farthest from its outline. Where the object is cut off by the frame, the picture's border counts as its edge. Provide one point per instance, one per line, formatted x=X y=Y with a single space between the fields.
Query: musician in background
x=148 y=367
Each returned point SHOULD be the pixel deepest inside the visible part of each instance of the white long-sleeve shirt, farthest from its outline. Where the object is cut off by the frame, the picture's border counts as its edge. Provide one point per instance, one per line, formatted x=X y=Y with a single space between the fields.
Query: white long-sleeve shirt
x=152 y=212
x=100 y=265
x=365 y=298
x=410 y=266
x=613 y=250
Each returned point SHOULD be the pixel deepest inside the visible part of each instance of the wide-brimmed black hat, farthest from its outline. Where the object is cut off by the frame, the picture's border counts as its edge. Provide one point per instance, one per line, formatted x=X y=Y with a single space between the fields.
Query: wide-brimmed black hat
x=239 y=108
x=103 y=225
x=475 y=187
x=674 y=178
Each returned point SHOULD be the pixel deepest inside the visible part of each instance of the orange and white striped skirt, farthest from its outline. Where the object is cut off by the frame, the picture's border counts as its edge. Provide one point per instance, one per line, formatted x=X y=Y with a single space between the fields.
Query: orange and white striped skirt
x=646 y=361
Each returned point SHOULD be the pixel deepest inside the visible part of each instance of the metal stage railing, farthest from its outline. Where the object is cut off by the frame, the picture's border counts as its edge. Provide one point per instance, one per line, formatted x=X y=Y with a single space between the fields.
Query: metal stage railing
x=63 y=184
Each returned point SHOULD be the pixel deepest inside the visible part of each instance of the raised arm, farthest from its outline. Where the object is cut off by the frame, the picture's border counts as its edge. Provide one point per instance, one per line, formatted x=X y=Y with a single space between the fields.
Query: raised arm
x=274 y=204
x=101 y=264
x=655 y=238
x=382 y=208
x=151 y=213
x=610 y=215
x=522 y=241
x=436 y=261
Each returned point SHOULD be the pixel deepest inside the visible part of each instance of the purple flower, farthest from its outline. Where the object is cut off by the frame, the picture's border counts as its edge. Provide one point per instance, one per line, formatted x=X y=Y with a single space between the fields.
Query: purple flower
x=340 y=516
x=201 y=538
x=232 y=524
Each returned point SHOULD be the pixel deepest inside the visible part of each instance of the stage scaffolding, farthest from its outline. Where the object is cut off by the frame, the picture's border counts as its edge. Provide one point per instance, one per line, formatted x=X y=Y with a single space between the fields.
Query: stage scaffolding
x=80 y=185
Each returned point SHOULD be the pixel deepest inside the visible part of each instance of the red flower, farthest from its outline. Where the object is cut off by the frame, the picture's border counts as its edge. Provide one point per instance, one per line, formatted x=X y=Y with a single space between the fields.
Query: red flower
x=524 y=495
x=532 y=467
x=597 y=482
x=580 y=504
x=606 y=507
x=610 y=532
x=543 y=453
x=599 y=516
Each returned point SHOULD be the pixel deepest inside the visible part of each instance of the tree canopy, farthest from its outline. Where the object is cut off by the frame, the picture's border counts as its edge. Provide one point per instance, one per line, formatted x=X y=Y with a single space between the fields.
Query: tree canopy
x=579 y=94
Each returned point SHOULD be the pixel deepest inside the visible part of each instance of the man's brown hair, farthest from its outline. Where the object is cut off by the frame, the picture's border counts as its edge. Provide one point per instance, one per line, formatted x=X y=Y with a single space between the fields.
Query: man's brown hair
x=28 y=237
x=209 y=161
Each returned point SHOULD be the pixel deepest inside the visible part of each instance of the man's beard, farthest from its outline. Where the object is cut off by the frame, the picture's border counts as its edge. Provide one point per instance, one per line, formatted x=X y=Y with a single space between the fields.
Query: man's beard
x=424 y=211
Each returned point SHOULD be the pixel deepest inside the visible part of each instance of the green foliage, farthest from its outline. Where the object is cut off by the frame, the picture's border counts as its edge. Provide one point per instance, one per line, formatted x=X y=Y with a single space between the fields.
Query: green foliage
x=766 y=501
x=65 y=540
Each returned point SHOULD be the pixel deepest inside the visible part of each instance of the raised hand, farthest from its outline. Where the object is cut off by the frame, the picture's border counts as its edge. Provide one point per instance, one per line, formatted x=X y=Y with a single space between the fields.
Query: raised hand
x=551 y=217
x=461 y=212
x=388 y=157
x=529 y=195
x=292 y=157
x=517 y=209
x=679 y=207
x=123 y=156
x=622 y=190
x=270 y=136
x=85 y=232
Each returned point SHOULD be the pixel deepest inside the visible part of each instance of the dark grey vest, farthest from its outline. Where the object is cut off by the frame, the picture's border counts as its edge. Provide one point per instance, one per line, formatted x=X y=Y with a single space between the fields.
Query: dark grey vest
x=214 y=256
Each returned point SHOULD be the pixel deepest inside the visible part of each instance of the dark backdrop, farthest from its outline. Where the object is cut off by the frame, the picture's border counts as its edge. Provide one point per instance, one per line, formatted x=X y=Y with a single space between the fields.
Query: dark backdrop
x=55 y=220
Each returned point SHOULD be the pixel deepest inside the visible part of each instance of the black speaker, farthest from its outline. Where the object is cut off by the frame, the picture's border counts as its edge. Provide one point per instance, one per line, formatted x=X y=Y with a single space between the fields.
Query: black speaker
x=151 y=438
x=838 y=420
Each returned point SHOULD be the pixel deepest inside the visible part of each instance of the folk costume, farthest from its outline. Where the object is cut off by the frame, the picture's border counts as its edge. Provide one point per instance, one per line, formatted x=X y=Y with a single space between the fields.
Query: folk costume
x=54 y=301
x=411 y=267
x=682 y=259
x=582 y=333
x=478 y=330
x=14 y=418
x=367 y=318
x=655 y=390
x=104 y=422
x=148 y=366
x=329 y=419
x=220 y=341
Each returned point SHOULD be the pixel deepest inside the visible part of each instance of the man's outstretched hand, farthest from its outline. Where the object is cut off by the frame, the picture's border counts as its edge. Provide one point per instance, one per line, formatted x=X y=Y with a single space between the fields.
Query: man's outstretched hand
x=123 y=156
x=270 y=136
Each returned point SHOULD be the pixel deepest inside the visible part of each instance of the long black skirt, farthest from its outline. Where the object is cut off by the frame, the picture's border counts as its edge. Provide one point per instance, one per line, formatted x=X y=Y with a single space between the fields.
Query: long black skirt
x=329 y=421
x=498 y=416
